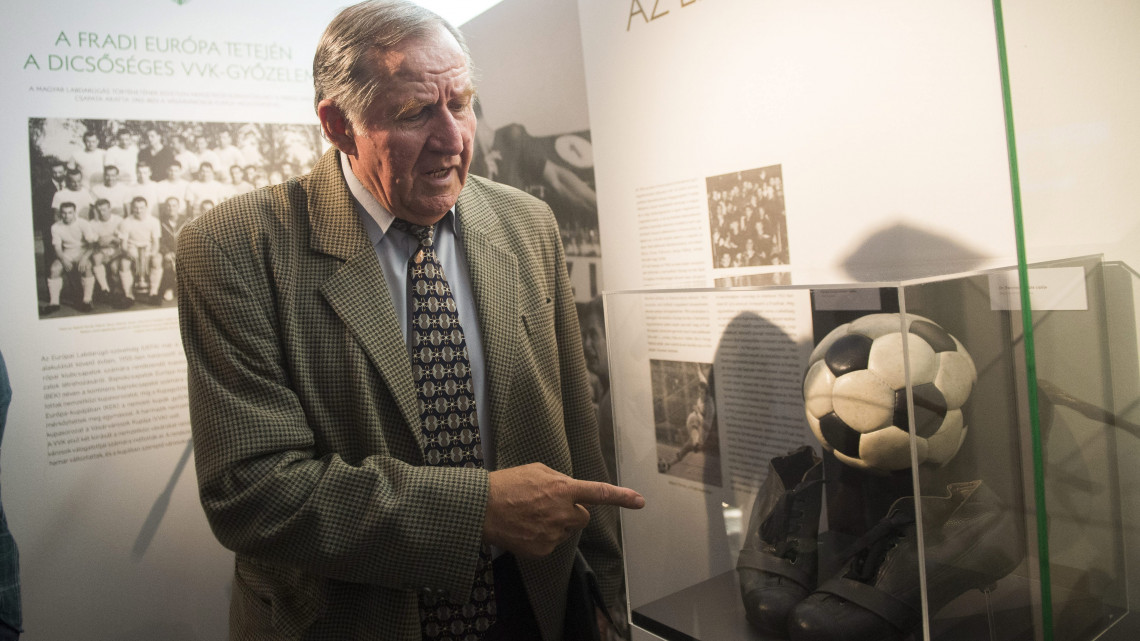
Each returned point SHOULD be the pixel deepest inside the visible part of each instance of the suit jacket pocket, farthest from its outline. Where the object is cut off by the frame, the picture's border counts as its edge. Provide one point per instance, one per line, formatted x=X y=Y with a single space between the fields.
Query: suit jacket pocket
x=273 y=598
x=538 y=321
x=537 y=359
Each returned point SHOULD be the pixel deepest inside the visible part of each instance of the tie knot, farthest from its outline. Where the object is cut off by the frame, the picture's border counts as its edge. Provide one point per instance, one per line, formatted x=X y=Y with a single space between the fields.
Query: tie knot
x=423 y=234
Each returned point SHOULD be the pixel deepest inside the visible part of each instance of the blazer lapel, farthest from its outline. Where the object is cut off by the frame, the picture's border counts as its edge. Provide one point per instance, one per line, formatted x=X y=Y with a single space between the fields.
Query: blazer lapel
x=495 y=280
x=357 y=291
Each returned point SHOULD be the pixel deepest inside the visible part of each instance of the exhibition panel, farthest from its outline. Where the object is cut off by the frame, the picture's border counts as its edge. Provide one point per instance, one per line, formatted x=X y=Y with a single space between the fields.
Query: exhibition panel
x=857 y=462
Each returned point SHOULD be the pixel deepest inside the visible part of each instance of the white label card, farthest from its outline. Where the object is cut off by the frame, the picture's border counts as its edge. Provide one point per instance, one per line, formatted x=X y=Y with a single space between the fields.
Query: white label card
x=848 y=299
x=1050 y=289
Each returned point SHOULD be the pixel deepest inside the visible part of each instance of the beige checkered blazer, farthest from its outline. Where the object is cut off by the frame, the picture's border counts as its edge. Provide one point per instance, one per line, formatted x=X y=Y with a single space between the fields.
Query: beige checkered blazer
x=305 y=420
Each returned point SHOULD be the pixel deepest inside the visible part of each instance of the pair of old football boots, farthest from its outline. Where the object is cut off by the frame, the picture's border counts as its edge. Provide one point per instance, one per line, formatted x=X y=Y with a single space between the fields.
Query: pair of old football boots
x=970 y=541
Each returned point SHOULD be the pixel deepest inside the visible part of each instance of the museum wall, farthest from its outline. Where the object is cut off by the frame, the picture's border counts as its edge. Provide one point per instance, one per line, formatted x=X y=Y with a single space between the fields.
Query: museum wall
x=876 y=129
x=1075 y=93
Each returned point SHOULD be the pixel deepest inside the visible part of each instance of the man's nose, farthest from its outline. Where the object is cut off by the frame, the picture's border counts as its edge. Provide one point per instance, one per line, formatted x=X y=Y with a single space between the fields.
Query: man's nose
x=447 y=134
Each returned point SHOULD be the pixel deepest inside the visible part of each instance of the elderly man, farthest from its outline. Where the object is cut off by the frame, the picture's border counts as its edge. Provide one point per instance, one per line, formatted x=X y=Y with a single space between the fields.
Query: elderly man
x=387 y=387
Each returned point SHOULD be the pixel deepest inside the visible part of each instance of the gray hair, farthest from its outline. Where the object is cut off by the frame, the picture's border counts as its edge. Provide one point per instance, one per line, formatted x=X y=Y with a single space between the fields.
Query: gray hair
x=344 y=67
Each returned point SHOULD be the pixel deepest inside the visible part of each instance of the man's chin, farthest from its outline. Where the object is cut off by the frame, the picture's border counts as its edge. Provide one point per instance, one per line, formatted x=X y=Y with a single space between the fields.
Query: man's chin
x=427 y=213
x=431 y=207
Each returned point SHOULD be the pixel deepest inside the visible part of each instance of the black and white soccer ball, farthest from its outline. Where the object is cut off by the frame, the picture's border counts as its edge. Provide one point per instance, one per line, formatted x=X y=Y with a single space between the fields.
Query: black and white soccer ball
x=855 y=392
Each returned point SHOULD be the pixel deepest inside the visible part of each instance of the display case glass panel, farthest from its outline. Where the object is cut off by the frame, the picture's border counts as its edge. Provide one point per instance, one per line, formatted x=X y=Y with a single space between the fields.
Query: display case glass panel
x=1070 y=105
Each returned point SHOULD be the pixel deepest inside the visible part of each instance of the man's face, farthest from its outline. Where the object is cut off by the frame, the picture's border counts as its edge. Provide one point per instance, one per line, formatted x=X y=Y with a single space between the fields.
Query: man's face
x=73 y=180
x=205 y=172
x=138 y=208
x=103 y=210
x=414 y=147
x=224 y=139
x=110 y=177
x=154 y=139
x=90 y=142
x=172 y=171
x=144 y=173
x=58 y=172
x=67 y=214
x=201 y=144
x=124 y=139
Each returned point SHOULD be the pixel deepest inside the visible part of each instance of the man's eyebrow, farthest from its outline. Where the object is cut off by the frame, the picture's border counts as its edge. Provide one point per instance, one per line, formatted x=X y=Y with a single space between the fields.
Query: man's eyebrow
x=467 y=94
x=410 y=106
x=413 y=105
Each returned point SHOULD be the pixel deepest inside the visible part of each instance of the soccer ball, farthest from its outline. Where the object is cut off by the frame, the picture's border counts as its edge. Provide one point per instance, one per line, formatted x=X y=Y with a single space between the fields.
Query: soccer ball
x=855 y=392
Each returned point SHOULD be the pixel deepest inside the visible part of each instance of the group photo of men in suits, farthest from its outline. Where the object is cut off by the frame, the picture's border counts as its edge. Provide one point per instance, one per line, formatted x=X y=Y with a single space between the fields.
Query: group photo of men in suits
x=110 y=196
x=393 y=421
x=748 y=225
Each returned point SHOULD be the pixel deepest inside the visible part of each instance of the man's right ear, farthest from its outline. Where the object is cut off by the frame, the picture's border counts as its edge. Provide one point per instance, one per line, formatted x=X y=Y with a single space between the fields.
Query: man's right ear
x=336 y=127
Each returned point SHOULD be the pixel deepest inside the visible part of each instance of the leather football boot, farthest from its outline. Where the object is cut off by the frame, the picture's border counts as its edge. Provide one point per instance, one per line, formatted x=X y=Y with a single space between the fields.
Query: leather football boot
x=971 y=541
x=778 y=562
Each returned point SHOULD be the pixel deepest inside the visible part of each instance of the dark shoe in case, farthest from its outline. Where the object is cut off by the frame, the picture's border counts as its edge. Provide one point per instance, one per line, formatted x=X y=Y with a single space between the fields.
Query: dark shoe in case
x=971 y=541
x=778 y=563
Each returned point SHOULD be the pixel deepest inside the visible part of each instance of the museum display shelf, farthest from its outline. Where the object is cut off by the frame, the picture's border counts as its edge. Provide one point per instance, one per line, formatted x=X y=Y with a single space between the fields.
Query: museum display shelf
x=970 y=486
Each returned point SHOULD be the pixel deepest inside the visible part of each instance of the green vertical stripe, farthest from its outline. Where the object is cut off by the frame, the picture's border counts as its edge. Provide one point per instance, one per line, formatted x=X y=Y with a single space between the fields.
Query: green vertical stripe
x=1027 y=329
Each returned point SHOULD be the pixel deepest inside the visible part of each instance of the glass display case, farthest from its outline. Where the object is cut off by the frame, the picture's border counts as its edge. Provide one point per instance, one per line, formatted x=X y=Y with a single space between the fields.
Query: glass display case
x=882 y=460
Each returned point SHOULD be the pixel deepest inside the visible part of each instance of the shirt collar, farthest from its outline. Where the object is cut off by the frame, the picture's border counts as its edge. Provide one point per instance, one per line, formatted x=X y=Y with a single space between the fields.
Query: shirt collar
x=375 y=217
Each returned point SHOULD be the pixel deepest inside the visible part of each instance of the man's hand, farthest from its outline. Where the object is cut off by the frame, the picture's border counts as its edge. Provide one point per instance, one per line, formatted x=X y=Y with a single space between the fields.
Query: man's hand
x=532 y=508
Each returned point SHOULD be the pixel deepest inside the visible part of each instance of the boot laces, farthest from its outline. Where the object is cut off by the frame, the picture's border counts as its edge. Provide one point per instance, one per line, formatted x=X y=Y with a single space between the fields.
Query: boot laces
x=871 y=549
x=783 y=527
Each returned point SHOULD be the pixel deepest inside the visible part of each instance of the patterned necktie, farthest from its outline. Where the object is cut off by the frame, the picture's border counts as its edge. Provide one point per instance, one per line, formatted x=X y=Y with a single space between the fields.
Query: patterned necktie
x=442 y=373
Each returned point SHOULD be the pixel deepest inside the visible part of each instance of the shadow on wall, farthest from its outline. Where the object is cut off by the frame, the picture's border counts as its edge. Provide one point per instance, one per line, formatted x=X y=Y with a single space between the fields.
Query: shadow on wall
x=900 y=252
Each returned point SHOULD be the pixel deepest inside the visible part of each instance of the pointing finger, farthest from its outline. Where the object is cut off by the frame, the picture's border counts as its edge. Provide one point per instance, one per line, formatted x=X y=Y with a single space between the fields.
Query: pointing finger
x=595 y=493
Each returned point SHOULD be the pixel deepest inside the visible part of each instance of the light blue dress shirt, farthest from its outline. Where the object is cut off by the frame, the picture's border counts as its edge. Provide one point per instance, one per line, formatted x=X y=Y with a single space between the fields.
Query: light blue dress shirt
x=394 y=249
